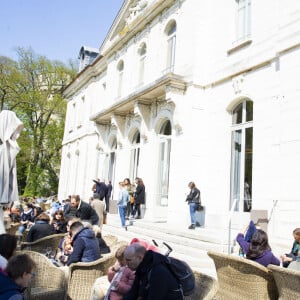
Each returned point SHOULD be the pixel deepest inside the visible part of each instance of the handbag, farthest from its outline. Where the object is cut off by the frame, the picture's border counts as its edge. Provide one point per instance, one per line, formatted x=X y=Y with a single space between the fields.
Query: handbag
x=199 y=207
x=131 y=200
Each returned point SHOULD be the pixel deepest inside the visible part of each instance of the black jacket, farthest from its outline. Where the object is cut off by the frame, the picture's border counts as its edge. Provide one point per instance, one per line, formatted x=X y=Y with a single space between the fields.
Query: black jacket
x=39 y=230
x=194 y=196
x=101 y=189
x=87 y=213
x=139 y=195
x=153 y=280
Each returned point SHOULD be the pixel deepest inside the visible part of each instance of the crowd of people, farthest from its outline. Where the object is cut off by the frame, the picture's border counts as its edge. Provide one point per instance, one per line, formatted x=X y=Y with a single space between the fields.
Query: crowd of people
x=140 y=270
x=130 y=199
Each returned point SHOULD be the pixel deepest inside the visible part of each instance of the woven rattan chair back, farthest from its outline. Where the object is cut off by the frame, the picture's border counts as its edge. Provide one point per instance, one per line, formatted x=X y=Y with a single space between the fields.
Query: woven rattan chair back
x=240 y=278
x=206 y=287
x=83 y=275
x=287 y=282
x=44 y=244
x=49 y=281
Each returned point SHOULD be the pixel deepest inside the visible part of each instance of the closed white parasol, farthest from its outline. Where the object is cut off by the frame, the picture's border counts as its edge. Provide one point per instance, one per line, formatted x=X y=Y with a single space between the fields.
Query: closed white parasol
x=10 y=129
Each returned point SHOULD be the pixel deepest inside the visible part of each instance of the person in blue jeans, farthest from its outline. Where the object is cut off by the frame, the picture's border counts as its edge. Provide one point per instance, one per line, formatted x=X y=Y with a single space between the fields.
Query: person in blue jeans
x=193 y=200
x=123 y=199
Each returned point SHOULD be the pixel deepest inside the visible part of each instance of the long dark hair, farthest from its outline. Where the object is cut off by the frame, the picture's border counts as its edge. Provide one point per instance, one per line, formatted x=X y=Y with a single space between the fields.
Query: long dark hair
x=8 y=245
x=258 y=245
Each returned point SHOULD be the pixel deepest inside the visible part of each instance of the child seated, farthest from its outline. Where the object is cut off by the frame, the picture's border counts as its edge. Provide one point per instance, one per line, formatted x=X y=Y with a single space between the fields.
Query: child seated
x=119 y=276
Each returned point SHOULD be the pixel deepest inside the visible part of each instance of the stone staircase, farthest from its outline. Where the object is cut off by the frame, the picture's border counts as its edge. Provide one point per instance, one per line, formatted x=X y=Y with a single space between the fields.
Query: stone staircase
x=188 y=245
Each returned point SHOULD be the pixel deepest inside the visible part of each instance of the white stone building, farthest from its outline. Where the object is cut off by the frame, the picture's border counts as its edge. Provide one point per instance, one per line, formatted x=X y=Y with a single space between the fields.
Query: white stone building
x=189 y=90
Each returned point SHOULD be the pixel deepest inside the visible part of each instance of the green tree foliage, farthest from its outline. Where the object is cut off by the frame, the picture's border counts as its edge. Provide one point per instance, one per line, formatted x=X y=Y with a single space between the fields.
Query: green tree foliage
x=32 y=87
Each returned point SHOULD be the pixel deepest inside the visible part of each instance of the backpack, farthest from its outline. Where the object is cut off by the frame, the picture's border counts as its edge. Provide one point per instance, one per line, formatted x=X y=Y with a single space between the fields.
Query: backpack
x=183 y=273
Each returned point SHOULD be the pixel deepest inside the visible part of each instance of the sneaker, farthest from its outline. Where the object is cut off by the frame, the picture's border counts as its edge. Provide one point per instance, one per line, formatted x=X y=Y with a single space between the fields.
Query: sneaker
x=192 y=226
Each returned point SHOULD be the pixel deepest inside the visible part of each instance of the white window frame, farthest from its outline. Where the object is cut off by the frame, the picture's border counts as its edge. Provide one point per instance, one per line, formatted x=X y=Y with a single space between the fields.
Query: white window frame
x=142 y=59
x=120 y=78
x=134 y=157
x=237 y=191
x=171 y=47
x=243 y=20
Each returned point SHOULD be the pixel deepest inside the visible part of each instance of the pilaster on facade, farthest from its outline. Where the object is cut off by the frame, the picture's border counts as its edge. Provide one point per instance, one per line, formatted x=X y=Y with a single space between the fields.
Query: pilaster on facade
x=175 y=101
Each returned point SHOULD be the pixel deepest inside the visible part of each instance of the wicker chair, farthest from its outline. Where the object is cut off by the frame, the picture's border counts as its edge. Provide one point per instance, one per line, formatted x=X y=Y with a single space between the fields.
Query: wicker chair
x=206 y=287
x=83 y=275
x=110 y=240
x=240 y=278
x=287 y=282
x=41 y=245
x=49 y=282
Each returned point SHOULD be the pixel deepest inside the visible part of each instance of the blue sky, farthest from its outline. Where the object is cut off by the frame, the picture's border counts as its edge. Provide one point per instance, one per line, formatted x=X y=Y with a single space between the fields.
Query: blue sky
x=55 y=28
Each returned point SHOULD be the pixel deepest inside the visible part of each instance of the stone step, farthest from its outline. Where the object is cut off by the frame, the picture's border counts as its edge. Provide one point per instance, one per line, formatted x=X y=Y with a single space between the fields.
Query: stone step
x=188 y=245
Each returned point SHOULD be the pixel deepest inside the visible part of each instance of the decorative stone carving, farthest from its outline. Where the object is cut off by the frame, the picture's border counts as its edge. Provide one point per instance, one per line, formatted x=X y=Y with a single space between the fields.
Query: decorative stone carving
x=177 y=89
x=136 y=10
x=144 y=137
x=120 y=145
x=144 y=111
x=178 y=129
x=238 y=84
x=119 y=122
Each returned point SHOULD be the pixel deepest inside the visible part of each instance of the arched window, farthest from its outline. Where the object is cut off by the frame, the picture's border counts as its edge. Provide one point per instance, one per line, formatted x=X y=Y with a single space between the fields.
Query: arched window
x=120 y=68
x=241 y=155
x=171 y=44
x=135 y=155
x=142 y=51
x=165 y=132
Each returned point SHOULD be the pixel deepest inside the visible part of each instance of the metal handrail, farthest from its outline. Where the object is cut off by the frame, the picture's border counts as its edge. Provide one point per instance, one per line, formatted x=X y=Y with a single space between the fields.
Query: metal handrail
x=229 y=224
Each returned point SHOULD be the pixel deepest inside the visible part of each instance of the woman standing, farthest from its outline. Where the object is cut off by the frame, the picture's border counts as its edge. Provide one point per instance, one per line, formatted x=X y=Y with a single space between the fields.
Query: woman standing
x=130 y=205
x=123 y=199
x=193 y=200
x=139 y=197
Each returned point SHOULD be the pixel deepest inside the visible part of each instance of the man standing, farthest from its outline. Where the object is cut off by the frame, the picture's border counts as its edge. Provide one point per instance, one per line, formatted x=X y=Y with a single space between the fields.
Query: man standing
x=84 y=211
x=153 y=279
x=100 y=208
x=100 y=188
x=85 y=245
x=108 y=194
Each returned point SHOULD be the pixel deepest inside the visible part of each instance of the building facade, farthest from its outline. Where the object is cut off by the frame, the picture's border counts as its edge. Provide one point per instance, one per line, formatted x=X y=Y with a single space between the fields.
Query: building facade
x=189 y=90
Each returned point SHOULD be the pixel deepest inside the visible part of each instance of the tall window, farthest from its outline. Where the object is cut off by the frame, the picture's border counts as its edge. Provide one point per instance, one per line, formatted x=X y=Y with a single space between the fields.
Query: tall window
x=164 y=161
x=241 y=156
x=243 y=19
x=171 y=45
x=135 y=155
x=142 y=56
x=120 y=68
x=112 y=161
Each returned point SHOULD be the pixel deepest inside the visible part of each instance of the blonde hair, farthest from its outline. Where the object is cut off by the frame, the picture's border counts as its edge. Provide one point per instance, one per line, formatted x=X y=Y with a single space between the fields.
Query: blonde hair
x=120 y=252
